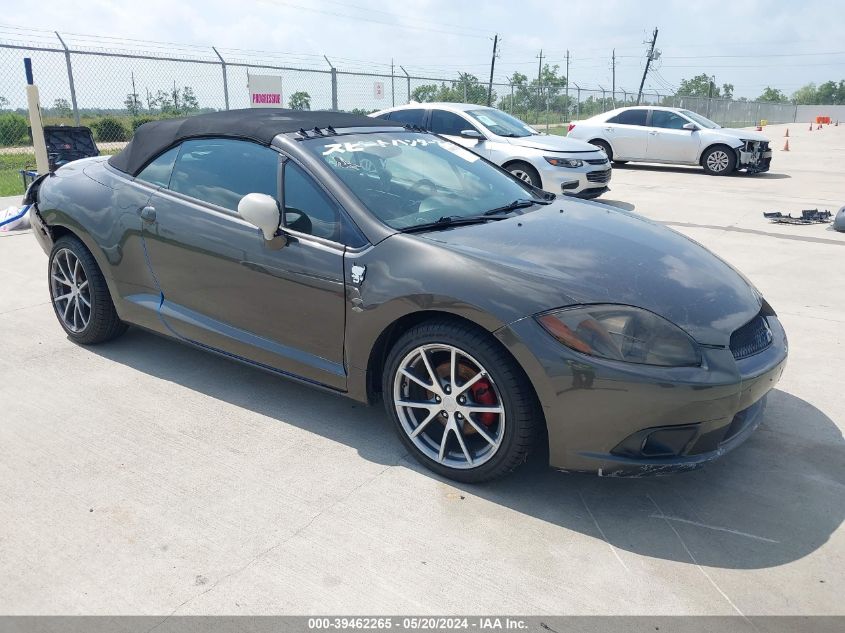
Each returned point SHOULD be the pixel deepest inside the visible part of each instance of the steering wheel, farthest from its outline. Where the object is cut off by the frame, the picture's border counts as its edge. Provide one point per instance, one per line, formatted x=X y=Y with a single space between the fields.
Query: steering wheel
x=424 y=188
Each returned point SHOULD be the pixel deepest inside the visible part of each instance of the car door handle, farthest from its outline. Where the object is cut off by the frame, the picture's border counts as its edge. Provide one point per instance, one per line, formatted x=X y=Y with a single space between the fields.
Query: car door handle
x=148 y=214
x=653 y=132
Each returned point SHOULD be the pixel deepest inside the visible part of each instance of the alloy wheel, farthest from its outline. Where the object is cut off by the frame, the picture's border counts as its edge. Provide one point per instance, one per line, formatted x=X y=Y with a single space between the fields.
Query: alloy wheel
x=449 y=406
x=522 y=175
x=718 y=161
x=70 y=291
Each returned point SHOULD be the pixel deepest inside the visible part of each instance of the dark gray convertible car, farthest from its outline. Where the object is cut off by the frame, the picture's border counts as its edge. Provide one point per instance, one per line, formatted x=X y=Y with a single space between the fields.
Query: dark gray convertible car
x=367 y=259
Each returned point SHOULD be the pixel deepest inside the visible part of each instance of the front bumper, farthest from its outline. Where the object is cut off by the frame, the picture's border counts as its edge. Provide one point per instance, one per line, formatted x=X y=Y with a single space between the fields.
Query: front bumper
x=754 y=157
x=601 y=414
x=587 y=181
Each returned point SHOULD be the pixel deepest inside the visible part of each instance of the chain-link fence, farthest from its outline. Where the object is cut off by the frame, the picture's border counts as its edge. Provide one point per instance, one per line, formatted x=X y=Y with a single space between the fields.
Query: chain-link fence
x=111 y=87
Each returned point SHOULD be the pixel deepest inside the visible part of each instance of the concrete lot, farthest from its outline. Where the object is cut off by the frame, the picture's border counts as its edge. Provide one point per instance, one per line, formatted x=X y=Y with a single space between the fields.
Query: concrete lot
x=146 y=477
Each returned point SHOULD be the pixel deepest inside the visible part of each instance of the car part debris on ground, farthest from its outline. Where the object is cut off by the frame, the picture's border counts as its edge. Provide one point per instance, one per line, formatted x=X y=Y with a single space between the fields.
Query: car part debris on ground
x=808 y=216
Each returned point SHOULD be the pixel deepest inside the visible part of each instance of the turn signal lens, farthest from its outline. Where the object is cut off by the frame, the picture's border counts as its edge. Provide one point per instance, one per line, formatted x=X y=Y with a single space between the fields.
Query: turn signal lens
x=622 y=333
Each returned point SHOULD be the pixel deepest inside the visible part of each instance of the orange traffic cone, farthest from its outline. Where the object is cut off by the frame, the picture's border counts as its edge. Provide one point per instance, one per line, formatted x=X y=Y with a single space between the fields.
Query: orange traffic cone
x=787 y=133
x=786 y=146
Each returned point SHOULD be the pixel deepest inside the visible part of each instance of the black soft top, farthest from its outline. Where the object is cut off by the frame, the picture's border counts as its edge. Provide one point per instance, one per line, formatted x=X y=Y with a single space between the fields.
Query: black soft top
x=254 y=124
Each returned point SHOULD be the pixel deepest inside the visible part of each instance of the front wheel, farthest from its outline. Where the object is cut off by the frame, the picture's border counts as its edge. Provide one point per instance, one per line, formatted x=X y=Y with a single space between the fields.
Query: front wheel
x=719 y=161
x=525 y=173
x=460 y=404
x=79 y=294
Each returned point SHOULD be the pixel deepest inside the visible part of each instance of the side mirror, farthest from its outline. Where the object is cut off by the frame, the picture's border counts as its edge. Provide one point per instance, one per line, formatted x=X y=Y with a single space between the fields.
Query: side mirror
x=473 y=134
x=692 y=127
x=262 y=211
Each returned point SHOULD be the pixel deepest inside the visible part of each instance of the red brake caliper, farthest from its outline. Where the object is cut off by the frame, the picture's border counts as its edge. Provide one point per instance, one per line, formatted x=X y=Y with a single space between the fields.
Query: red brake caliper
x=482 y=393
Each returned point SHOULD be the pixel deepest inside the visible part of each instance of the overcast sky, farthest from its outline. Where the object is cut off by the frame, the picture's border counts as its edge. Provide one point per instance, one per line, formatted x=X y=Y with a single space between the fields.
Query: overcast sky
x=749 y=43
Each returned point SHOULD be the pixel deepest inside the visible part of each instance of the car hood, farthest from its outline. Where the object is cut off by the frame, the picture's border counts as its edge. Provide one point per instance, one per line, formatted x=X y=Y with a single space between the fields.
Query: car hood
x=750 y=135
x=552 y=143
x=582 y=252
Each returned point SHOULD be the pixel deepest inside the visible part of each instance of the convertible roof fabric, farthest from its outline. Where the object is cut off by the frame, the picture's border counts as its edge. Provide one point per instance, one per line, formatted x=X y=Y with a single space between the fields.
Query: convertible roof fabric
x=255 y=124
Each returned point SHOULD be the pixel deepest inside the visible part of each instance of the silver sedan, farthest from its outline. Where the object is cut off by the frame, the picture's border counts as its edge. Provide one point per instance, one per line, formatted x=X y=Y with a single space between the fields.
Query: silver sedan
x=655 y=134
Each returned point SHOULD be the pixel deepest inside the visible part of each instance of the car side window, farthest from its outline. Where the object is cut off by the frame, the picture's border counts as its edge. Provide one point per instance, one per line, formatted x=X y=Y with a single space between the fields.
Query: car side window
x=222 y=171
x=308 y=209
x=445 y=122
x=630 y=117
x=408 y=117
x=158 y=171
x=670 y=120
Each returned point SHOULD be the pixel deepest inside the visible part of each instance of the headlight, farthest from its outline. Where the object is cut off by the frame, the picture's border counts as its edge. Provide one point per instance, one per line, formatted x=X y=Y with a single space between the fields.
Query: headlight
x=622 y=333
x=564 y=162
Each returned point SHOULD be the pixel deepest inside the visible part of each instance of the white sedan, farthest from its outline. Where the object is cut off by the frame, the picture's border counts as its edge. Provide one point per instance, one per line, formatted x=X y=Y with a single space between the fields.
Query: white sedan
x=655 y=134
x=557 y=164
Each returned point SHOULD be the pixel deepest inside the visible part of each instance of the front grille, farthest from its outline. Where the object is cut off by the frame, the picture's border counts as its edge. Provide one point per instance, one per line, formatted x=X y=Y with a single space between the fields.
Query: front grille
x=599 y=176
x=597 y=161
x=751 y=338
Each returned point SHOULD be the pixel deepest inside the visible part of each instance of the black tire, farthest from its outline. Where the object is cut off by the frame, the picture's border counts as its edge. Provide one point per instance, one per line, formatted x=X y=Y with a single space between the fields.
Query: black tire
x=523 y=415
x=719 y=160
x=620 y=162
x=606 y=147
x=525 y=172
x=103 y=324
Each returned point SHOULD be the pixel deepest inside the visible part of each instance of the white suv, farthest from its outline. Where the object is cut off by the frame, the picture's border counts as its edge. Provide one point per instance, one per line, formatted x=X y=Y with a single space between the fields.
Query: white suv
x=655 y=134
x=555 y=163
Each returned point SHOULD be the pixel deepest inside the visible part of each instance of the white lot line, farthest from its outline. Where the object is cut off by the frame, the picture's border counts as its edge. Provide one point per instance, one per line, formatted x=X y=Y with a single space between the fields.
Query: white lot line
x=598 y=527
x=713 y=527
x=695 y=562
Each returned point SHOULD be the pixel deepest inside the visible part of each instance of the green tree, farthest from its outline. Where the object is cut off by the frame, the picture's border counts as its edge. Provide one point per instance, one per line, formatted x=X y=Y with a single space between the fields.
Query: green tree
x=132 y=104
x=300 y=101
x=424 y=93
x=806 y=95
x=728 y=91
x=830 y=93
x=189 y=100
x=4 y=102
x=62 y=108
x=698 y=86
x=163 y=100
x=773 y=95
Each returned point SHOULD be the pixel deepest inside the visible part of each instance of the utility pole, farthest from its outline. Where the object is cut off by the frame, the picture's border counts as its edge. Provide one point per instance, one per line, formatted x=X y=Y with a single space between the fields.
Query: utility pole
x=492 y=66
x=647 y=64
x=539 y=75
x=567 y=83
x=392 y=84
x=613 y=72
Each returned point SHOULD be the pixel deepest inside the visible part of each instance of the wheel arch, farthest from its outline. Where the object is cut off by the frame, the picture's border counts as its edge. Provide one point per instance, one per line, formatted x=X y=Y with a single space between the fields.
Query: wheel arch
x=603 y=141
x=522 y=161
x=393 y=331
x=58 y=230
x=715 y=144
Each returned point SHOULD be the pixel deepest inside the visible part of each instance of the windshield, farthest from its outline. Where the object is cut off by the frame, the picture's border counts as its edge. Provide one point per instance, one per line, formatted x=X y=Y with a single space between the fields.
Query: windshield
x=501 y=123
x=409 y=179
x=702 y=121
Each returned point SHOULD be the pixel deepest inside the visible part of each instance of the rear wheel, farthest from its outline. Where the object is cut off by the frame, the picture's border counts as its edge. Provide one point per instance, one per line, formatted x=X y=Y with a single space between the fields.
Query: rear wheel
x=460 y=404
x=526 y=173
x=604 y=145
x=719 y=160
x=79 y=294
